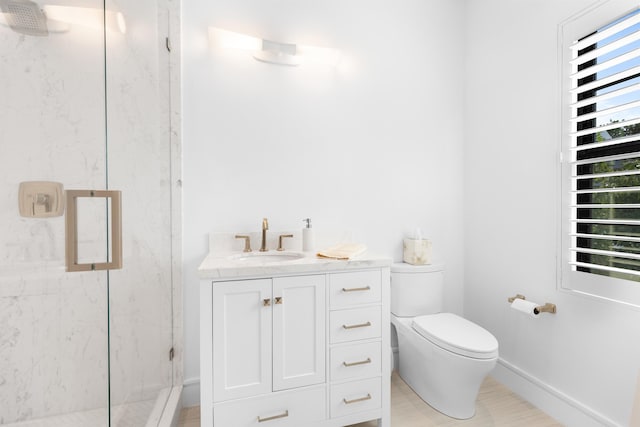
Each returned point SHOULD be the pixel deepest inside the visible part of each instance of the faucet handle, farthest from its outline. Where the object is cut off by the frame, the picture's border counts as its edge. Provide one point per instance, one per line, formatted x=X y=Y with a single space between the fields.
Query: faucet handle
x=247 y=242
x=265 y=224
x=280 y=247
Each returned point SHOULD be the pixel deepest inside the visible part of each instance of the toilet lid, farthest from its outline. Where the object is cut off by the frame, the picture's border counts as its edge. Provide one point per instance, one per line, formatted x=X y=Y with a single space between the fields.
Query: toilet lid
x=456 y=334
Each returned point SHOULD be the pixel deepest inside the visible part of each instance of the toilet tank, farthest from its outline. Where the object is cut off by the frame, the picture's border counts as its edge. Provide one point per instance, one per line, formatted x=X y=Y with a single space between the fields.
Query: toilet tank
x=416 y=289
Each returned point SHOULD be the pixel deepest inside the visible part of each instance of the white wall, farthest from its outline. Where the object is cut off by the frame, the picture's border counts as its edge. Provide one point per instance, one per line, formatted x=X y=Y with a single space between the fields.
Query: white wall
x=589 y=352
x=373 y=146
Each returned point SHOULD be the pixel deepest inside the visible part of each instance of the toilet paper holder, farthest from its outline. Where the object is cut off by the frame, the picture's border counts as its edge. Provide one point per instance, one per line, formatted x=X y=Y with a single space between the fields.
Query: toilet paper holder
x=547 y=308
x=517 y=296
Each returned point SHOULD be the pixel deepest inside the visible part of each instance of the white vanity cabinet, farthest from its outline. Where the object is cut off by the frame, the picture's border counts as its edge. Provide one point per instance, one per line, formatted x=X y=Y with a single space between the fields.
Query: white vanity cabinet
x=301 y=350
x=355 y=342
x=268 y=335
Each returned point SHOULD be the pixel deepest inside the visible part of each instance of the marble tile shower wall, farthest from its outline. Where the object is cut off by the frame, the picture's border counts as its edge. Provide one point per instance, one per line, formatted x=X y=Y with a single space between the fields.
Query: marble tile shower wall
x=53 y=339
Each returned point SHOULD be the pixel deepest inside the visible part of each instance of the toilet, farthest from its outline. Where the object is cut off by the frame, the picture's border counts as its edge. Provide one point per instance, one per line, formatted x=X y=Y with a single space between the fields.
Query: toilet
x=443 y=357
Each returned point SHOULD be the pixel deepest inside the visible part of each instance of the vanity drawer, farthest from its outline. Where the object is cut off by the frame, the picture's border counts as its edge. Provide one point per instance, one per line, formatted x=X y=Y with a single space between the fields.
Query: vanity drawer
x=353 y=288
x=356 y=396
x=357 y=360
x=355 y=324
x=292 y=408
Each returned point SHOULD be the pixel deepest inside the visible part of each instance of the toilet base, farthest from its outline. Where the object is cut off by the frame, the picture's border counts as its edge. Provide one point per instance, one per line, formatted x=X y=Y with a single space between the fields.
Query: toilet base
x=448 y=382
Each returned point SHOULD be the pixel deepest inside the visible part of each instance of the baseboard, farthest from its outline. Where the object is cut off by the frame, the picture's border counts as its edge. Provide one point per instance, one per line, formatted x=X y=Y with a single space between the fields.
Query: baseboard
x=550 y=400
x=191 y=392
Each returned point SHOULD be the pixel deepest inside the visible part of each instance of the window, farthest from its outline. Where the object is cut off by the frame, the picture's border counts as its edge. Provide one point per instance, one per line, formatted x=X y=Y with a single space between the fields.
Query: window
x=601 y=152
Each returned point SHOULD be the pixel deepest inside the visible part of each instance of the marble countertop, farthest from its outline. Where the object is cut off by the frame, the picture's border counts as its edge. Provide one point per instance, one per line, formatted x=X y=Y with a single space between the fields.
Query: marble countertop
x=228 y=266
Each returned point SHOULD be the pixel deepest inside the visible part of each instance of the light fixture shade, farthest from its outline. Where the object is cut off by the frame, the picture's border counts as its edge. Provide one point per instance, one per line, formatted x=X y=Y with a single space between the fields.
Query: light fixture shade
x=224 y=39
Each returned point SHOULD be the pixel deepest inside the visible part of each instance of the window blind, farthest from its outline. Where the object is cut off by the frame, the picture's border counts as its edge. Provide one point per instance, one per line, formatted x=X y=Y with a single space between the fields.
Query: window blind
x=605 y=150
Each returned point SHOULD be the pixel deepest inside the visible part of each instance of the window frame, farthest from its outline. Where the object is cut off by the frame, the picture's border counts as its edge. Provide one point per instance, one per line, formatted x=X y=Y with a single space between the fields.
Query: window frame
x=607 y=288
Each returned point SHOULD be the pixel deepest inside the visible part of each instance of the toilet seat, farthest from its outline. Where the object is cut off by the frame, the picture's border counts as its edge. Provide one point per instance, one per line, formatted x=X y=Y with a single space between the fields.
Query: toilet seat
x=457 y=335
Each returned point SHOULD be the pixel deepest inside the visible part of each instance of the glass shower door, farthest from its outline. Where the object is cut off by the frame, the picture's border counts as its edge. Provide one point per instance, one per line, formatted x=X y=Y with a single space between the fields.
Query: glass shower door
x=85 y=103
x=139 y=158
x=54 y=325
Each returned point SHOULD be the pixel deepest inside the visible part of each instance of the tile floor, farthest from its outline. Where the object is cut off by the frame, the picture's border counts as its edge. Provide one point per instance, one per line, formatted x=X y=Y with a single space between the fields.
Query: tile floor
x=497 y=406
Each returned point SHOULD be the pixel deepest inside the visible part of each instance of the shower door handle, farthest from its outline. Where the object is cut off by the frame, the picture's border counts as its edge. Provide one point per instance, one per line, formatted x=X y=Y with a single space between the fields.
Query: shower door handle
x=71 y=230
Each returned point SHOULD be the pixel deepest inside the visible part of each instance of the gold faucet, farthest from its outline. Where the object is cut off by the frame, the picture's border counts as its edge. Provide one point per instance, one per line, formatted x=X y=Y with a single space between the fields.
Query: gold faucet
x=265 y=227
x=282 y=236
x=247 y=242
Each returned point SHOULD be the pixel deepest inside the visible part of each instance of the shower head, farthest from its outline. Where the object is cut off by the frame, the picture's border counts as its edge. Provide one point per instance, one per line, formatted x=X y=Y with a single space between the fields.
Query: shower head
x=25 y=17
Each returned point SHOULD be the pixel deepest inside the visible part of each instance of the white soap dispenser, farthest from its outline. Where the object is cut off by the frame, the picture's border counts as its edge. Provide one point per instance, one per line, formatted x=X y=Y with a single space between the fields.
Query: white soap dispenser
x=308 y=238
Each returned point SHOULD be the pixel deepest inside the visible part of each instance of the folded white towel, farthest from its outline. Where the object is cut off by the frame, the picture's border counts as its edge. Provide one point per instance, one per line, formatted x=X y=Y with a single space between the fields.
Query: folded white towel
x=343 y=251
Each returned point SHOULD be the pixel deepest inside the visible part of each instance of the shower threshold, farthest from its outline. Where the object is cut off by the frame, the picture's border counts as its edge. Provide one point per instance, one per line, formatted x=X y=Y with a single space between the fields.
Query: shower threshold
x=145 y=413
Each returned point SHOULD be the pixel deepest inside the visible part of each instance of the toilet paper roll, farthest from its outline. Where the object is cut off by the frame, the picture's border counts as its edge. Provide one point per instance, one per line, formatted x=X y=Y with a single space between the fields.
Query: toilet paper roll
x=525 y=306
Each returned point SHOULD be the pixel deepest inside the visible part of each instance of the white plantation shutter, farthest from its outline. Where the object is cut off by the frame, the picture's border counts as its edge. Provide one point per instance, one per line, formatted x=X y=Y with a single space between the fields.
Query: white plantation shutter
x=602 y=160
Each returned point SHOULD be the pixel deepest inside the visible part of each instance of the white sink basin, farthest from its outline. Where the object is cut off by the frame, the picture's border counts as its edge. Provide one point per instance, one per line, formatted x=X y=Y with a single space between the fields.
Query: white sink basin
x=262 y=258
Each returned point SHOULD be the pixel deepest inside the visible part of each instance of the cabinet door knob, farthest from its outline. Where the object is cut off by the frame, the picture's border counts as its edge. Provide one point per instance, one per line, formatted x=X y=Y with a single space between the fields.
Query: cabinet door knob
x=266 y=302
x=278 y=300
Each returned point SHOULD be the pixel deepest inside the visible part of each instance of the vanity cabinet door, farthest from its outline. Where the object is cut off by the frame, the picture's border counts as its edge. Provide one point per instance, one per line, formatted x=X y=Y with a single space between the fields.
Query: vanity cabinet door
x=241 y=339
x=299 y=314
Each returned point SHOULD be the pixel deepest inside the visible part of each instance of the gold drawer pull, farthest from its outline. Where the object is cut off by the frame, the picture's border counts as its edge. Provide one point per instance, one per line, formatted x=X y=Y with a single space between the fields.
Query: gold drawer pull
x=362 y=362
x=361 y=325
x=361 y=399
x=275 y=417
x=266 y=302
x=366 y=288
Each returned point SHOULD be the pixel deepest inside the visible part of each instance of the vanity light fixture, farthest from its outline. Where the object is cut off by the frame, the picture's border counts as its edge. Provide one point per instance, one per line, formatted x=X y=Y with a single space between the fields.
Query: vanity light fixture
x=278 y=53
x=224 y=39
x=272 y=52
